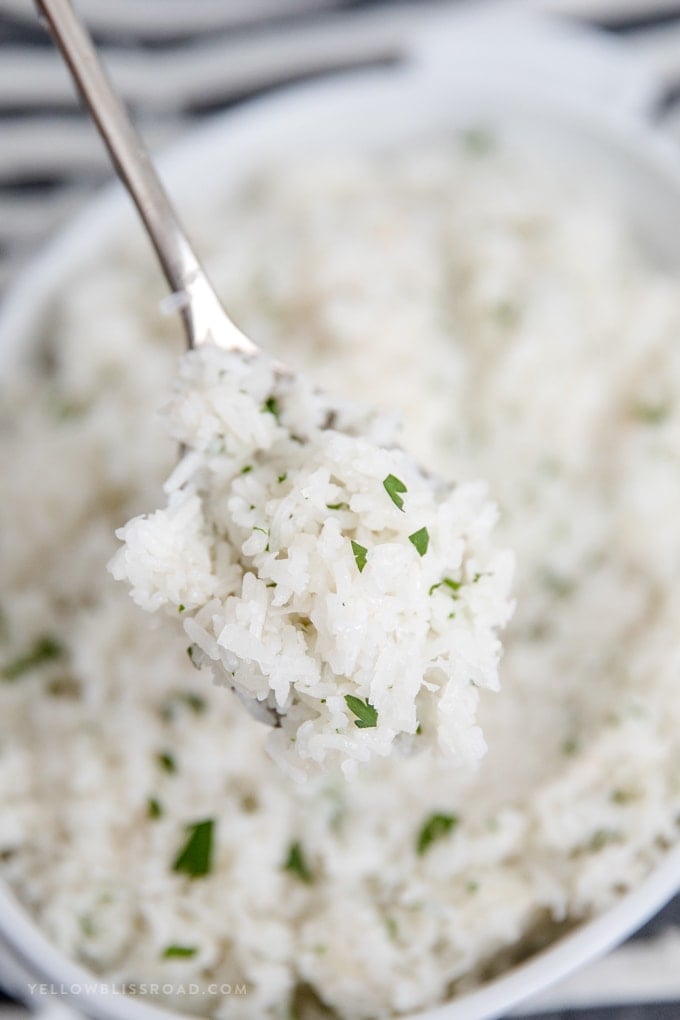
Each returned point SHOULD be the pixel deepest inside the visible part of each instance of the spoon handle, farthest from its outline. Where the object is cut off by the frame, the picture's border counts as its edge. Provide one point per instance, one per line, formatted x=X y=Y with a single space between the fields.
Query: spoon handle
x=203 y=316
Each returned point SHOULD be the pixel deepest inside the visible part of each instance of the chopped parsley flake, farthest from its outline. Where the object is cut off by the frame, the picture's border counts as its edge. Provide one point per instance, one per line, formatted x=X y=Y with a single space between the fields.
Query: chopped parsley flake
x=166 y=762
x=193 y=701
x=154 y=808
x=195 y=857
x=66 y=410
x=436 y=827
x=393 y=487
x=477 y=141
x=281 y=478
x=63 y=687
x=271 y=405
x=360 y=552
x=366 y=714
x=452 y=585
x=602 y=838
x=45 y=649
x=421 y=540
x=264 y=532
x=247 y=469
x=507 y=313
x=652 y=414
x=181 y=608
x=337 y=506
x=180 y=699
x=623 y=796
x=179 y=952
x=556 y=583
x=297 y=865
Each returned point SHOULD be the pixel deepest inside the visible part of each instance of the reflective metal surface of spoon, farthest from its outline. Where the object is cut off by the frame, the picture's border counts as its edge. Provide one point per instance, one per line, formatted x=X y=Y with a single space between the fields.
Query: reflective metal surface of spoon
x=203 y=316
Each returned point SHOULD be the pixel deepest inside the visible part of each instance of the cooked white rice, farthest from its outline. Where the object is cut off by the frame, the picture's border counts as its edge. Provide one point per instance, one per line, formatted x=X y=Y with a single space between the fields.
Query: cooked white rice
x=547 y=361
x=319 y=571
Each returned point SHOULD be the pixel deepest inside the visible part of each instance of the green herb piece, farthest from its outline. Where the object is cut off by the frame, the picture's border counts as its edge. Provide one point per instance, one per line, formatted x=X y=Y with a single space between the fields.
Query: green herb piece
x=264 y=532
x=601 y=838
x=624 y=796
x=166 y=762
x=179 y=952
x=556 y=583
x=247 y=469
x=477 y=141
x=64 y=407
x=392 y=928
x=87 y=926
x=419 y=729
x=652 y=414
x=195 y=857
x=337 y=506
x=193 y=701
x=453 y=586
x=366 y=714
x=393 y=487
x=181 y=607
x=249 y=803
x=297 y=865
x=271 y=405
x=63 y=687
x=569 y=747
x=271 y=584
x=281 y=478
x=360 y=552
x=45 y=649
x=507 y=314
x=436 y=827
x=154 y=808
x=472 y=886
x=421 y=540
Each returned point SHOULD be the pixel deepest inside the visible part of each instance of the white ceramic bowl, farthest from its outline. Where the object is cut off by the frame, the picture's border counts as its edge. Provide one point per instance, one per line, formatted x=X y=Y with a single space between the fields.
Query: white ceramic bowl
x=581 y=96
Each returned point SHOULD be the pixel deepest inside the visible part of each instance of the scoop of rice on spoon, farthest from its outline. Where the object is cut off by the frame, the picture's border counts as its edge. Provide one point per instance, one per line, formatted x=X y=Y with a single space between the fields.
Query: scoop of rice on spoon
x=351 y=600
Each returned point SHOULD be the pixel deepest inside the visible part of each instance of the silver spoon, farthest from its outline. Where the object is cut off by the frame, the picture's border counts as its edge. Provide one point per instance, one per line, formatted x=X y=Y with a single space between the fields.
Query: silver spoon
x=203 y=316
x=204 y=319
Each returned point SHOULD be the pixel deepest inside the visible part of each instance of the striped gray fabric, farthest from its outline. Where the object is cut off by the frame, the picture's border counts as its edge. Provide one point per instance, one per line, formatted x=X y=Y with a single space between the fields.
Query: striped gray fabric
x=175 y=61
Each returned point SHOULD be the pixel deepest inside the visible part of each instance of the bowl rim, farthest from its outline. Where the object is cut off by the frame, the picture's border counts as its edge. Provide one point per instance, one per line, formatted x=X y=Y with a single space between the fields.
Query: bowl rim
x=89 y=232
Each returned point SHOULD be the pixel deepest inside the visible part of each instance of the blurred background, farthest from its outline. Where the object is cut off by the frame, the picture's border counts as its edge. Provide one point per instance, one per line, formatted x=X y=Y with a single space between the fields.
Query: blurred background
x=178 y=61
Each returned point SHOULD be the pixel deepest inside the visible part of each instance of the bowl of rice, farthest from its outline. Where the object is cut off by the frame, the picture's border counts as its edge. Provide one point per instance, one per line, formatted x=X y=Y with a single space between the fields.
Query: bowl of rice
x=497 y=263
